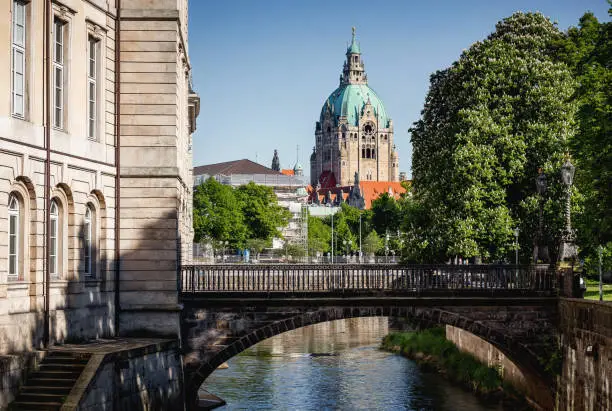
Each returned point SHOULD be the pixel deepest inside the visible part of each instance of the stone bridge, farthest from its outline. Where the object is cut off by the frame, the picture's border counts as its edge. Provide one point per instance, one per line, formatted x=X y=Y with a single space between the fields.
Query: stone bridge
x=228 y=308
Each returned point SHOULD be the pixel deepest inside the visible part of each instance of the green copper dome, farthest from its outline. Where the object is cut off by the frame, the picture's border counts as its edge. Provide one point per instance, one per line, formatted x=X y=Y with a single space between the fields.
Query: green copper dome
x=349 y=99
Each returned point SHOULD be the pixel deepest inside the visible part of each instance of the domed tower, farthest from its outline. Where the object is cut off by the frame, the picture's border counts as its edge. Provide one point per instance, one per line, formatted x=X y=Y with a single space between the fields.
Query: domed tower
x=354 y=133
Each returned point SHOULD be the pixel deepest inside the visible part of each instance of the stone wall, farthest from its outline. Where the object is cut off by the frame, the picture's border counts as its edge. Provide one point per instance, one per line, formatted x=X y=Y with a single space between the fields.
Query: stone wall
x=137 y=379
x=13 y=370
x=586 y=338
x=155 y=167
x=489 y=355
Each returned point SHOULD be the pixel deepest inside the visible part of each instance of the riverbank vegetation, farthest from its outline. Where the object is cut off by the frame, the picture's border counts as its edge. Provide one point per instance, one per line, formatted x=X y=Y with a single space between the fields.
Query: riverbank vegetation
x=433 y=352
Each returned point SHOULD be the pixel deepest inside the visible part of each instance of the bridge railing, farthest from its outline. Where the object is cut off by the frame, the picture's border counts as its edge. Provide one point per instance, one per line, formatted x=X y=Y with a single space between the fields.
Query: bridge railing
x=356 y=277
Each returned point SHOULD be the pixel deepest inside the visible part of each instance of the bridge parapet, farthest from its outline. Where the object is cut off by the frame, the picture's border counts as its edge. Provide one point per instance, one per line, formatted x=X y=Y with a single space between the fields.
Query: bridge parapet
x=334 y=278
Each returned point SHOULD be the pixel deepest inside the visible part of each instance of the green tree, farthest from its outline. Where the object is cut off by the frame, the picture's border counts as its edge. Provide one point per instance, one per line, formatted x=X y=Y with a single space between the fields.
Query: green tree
x=217 y=215
x=319 y=236
x=588 y=51
x=386 y=214
x=499 y=113
x=257 y=245
x=262 y=214
x=372 y=243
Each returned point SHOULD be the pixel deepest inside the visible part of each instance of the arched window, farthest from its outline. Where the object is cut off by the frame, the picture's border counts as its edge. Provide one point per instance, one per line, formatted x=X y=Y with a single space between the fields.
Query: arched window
x=363 y=152
x=54 y=236
x=87 y=241
x=373 y=153
x=14 y=223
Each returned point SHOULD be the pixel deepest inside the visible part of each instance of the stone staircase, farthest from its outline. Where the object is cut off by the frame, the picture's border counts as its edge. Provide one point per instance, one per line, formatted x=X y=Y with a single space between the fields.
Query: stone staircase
x=48 y=387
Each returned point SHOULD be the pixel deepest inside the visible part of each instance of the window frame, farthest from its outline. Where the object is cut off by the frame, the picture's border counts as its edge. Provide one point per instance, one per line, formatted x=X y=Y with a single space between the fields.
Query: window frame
x=93 y=71
x=21 y=48
x=14 y=213
x=60 y=29
x=88 y=241
x=54 y=239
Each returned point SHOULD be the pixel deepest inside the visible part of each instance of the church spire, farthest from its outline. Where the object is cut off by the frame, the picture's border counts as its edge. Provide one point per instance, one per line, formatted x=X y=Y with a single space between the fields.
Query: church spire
x=353 y=71
x=354 y=47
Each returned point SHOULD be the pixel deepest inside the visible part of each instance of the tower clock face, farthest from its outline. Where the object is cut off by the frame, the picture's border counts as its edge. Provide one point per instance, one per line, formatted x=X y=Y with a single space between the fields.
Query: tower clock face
x=368 y=128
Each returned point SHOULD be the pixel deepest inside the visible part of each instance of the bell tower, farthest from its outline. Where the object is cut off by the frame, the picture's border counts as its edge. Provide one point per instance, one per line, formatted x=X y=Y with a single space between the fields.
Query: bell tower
x=353 y=71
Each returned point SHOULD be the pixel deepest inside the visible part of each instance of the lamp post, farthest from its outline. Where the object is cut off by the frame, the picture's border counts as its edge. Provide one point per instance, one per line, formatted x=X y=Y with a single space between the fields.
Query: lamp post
x=567 y=249
x=540 y=250
x=387 y=247
x=360 y=237
x=516 y=235
x=599 y=250
x=332 y=237
x=225 y=243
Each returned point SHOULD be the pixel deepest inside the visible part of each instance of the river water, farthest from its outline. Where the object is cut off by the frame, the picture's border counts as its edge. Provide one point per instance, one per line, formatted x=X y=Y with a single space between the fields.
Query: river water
x=333 y=366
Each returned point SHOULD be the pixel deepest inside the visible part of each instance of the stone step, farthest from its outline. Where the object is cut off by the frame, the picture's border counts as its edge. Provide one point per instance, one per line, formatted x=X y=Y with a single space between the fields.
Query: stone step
x=41 y=397
x=50 y=373
x=63 y=359
x=35 y=406
x=61 y=366
x=52 y=382
x=45 y=389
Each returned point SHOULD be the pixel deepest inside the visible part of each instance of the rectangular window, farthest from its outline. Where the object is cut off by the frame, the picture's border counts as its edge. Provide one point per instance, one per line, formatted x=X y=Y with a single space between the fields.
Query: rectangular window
x=58 y=73
x=92 y=89
x=53 y=248
x=18 y=58
x=13 y=242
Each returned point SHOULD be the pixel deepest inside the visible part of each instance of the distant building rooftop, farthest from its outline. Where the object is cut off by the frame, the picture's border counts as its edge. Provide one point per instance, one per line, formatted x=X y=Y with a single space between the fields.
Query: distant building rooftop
x=243 y=171
x=243 y=166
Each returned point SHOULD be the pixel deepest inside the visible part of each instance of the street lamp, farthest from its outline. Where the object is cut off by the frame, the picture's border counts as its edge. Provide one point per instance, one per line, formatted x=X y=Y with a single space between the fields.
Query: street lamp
x=516 y=235
x=360 y=237
x=387 y=247
x=225 y=243
x=332 y=237
x=568 y=248
x=599 y=250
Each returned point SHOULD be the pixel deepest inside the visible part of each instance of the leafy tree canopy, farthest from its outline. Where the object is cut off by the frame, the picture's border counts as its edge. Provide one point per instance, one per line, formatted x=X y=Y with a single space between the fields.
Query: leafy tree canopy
x=499 y=113
x=217 y=214
x=262 y=214
x=249 y=212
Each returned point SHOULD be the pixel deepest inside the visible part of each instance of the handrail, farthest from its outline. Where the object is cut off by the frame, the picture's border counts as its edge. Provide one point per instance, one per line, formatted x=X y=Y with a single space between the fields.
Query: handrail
x=304 y=278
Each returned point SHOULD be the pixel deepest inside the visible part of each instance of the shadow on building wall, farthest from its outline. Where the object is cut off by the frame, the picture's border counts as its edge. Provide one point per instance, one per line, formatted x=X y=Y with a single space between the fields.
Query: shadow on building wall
x=83 y=314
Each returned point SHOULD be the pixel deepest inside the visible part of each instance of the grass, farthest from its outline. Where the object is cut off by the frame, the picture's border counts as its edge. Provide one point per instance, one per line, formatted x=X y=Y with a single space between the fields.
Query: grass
x=592 y=291
x=431 y=349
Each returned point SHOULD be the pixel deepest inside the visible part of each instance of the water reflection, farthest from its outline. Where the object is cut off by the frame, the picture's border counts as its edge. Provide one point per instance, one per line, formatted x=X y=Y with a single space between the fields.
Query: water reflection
x=333 y=365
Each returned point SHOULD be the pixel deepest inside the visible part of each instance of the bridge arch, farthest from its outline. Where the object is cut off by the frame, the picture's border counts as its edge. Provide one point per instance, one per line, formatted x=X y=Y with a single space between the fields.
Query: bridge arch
x=235 y=333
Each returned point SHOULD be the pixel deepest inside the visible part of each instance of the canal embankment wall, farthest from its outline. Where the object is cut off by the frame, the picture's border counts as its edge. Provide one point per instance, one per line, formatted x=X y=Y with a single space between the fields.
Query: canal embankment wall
x=585 y=329
x=489 y=355
x=137 y=374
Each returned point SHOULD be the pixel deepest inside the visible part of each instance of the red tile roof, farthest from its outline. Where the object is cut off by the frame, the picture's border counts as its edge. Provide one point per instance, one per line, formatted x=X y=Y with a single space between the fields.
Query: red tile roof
x=370 y=190
x=287 y=172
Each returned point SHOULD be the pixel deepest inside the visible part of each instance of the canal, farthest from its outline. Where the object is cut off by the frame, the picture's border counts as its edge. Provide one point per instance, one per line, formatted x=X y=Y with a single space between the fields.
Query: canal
x=333 y=366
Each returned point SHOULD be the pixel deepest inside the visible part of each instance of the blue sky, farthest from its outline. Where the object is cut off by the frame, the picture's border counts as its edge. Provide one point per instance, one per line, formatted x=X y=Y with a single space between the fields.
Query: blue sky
x=264 y=68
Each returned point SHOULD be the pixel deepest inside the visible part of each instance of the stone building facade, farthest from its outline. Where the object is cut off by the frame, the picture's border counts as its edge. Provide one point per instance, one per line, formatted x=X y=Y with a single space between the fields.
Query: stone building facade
x=354 y=132
x=96 y=117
